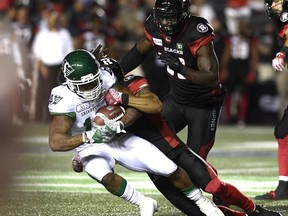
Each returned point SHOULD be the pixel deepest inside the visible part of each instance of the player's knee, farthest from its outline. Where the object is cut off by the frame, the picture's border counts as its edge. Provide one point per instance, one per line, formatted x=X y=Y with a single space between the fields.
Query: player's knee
x=281 y=130
x=215 y=186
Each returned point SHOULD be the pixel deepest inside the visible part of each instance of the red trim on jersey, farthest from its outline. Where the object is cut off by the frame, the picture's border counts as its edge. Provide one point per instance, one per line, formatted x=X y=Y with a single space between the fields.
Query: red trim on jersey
x=163 y=128
x=137 y=84
x=194 y=46
x=148 y=36
x=281 y=32
x=156 y=119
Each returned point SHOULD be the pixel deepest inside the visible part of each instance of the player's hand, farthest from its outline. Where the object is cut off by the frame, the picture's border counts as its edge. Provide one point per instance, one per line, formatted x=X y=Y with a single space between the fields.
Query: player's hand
x=99 y=134
x=114 y=126
x=278 y=63
x=173 y=62
x=113 y=97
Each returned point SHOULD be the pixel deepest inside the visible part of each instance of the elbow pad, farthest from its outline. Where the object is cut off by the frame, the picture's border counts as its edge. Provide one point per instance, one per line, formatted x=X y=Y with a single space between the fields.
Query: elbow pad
x=131 y=60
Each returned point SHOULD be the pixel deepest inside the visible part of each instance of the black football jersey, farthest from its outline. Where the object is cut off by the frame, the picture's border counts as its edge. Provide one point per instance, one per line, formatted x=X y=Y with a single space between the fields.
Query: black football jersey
x=196 y=33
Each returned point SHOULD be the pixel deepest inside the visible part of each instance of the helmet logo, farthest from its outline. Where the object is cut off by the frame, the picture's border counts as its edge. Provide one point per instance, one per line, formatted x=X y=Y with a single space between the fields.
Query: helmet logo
x=202 y=28
x=67 y=68
x=284 y=17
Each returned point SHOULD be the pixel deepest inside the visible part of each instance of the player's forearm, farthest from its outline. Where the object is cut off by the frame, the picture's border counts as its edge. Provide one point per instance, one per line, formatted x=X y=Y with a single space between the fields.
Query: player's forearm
x=131 y=116
x=145 y=104
x=208 y=78
x=61 y=143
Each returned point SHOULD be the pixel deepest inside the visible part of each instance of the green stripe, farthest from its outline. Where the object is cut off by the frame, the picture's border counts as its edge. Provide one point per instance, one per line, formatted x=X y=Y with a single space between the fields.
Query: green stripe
x=189 y=189
x=121 y=189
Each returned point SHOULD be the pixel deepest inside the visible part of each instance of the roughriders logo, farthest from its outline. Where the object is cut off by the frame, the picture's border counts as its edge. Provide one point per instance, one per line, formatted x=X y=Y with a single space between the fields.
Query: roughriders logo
x=67 y=68
x=284 y=17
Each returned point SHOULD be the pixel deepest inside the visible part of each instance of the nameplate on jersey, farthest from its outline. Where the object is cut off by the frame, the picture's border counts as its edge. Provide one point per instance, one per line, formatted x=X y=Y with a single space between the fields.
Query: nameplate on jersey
x=157 y=42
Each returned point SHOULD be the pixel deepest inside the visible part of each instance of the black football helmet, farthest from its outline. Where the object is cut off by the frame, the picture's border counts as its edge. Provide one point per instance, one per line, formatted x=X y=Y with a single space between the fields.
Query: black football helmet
x=272 y=13
x=171 y=15
x=114 y=66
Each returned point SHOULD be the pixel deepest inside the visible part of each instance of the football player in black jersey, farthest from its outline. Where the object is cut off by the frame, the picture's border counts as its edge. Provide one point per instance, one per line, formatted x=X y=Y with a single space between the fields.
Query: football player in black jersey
x=185 y=44
x=278 y=11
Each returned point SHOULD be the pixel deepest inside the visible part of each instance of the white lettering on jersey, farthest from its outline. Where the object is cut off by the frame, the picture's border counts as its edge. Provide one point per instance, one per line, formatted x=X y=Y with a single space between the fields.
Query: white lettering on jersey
x=158 y=42
x=167 y=49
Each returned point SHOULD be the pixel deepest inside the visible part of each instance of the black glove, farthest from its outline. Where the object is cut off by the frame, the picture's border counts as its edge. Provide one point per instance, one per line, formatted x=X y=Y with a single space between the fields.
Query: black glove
x=173 y=62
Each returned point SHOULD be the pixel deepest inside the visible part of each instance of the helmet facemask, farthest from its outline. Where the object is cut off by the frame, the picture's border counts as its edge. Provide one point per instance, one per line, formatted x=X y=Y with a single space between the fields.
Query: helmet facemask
x=81 y=70
x=89 y=88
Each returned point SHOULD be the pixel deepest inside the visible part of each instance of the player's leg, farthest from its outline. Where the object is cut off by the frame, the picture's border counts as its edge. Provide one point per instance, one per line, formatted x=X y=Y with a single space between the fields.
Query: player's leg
x=203 y=176
x=138 y=154
x=101 y=170
x=175 y=196
x=281 y=134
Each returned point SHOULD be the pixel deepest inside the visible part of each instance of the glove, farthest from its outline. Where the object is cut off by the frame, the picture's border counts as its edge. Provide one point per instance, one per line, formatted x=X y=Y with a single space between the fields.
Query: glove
x=278 y=63
x=114 y=97
x=114 y=126
x=98 y=134
x=173 y=62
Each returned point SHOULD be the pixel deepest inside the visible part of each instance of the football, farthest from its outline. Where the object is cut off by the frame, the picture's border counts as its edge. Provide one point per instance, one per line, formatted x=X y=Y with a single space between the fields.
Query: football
x=111 y=112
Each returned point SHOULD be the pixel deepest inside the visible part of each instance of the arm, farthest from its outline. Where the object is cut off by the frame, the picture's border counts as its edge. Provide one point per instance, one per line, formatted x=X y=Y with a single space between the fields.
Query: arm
x=136 y=55
x=145 y=101
x=208 y=67
x=59 y=134
x=278 y=63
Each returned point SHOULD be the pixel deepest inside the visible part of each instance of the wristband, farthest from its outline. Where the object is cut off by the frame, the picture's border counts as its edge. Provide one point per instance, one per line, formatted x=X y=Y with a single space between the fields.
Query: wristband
x=284 y=50
x=125 y=99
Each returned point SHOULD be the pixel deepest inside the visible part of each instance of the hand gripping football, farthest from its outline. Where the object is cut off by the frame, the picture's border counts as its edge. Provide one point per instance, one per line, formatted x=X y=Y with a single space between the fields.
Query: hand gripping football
x=109 y=112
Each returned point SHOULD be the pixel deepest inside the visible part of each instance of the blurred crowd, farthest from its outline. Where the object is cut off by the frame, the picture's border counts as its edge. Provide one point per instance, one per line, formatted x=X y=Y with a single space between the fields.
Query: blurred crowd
x=45 y=31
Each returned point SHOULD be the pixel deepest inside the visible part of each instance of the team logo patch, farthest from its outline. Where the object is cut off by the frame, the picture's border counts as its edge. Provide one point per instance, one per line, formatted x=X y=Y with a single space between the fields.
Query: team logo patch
x=157 y=42
x=67 y=68
x=54 y=99
x=202 y=28
x=284 y=17
x=179 y=46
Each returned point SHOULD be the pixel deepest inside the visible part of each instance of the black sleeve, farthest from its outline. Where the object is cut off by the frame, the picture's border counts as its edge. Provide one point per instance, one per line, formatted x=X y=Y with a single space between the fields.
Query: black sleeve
x=131 y=60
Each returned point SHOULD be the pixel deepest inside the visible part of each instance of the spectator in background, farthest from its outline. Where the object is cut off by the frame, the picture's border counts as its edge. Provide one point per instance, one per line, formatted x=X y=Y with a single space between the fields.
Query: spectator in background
x=11 y=58
x=267 y=47
x=203 y=9
x=239 y=61
x=22 y=28
x=235 y=11
x=49 y=48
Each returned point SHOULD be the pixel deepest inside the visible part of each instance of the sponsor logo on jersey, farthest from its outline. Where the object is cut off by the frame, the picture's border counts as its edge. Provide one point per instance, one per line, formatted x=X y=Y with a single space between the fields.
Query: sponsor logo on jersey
x=179 y=46
x=284 y=17
x=171 y=50
x=54 y=99
x=67 y=68
x=82 y=107
x=202 y=28
x=157 y=41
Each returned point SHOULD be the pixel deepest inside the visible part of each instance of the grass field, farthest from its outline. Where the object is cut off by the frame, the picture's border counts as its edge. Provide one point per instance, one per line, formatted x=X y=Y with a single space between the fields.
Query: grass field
x=44 y=184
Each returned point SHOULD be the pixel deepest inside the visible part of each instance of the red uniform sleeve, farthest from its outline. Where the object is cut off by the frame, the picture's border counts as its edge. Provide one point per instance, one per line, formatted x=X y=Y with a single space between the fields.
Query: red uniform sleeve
x=194 y=46
x=137 y=84
x=282 y=31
